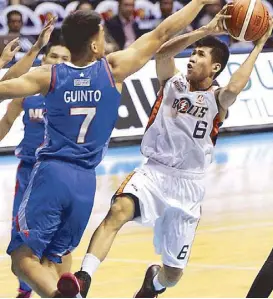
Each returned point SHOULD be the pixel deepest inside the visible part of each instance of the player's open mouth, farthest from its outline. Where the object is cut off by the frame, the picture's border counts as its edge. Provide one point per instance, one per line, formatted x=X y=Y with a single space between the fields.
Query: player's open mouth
x=189 y=66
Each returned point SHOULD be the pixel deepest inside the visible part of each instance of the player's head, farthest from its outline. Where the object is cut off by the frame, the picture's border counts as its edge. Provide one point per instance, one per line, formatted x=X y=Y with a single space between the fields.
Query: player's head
x=56 y=53
x=208 y=59
x=84 y=35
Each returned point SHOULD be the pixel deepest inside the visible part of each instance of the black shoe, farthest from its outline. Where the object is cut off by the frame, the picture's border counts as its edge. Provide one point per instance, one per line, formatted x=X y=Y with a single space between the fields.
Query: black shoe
x=84 y=280
x=147 y=290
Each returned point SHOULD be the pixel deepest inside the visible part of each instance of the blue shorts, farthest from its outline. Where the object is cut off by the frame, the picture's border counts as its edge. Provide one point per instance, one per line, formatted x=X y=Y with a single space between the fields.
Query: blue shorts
x=22 y=179
x=55 y=209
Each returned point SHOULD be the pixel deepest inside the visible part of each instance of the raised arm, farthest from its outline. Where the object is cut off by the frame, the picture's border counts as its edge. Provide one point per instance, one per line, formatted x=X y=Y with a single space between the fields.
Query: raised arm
x=24 y=64
x=227 y=95
x=165 y=66
x=126 y=62
x=13 y=111
x=34 y=82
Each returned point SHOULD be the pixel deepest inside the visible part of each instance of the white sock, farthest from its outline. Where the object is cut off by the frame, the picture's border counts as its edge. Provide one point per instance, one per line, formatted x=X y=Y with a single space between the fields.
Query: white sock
x=90 y=264
x=158 y=286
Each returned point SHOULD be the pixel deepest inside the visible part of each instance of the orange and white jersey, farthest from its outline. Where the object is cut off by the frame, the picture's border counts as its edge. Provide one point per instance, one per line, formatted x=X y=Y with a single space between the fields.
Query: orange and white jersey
x=183 y=127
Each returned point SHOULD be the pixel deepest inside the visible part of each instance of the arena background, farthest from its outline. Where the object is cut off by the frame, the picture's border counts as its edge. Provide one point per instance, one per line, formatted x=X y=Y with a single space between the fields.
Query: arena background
x=235 y=234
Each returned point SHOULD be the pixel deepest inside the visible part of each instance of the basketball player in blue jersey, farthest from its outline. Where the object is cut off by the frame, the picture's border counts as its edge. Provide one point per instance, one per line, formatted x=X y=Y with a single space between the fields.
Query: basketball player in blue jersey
x=81 y=102
x=34 y=132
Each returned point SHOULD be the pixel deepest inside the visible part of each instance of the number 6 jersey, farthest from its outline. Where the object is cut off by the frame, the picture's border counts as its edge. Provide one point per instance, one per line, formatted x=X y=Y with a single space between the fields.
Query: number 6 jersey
x=183 y=127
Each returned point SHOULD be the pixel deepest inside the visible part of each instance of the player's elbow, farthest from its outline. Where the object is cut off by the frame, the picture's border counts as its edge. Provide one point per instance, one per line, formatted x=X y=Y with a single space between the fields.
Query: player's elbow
x=233 y=89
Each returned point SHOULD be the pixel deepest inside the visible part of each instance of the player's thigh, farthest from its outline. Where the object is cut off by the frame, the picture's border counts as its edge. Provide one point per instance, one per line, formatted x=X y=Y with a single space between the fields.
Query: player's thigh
x=22 y=179
x=40 y=212
x=75 y=217
x=174 y=234
x=144 y=194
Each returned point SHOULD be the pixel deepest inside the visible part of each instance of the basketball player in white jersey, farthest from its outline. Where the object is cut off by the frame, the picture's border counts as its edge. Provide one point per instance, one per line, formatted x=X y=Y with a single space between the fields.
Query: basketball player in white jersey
x=167 y=191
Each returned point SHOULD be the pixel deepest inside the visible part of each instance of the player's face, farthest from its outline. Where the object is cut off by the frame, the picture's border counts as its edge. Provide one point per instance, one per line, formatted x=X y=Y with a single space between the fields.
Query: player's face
x=56 y=55
x=200 y=65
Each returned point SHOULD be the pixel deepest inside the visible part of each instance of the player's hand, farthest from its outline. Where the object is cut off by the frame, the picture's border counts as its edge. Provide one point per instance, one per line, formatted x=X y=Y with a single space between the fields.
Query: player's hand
x=216 y=25
x=265 y=37
x=44 y=36
x=10 y=50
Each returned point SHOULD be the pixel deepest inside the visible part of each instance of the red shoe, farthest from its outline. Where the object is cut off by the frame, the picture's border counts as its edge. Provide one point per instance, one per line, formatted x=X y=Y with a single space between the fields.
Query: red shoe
x=23 y=294
x=68 y=285
x=147 y=289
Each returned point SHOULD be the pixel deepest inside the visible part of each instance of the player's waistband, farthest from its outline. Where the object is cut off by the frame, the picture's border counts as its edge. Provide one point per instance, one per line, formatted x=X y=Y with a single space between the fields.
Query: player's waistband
x=190 y=175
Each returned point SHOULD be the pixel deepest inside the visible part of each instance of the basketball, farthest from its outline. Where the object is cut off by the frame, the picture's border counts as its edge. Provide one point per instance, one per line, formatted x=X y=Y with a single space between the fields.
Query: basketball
x=249 y=20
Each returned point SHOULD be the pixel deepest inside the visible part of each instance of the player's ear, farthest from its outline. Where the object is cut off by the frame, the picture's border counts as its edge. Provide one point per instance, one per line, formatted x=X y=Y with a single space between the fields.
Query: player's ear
x=216 y=67
x=94 y=47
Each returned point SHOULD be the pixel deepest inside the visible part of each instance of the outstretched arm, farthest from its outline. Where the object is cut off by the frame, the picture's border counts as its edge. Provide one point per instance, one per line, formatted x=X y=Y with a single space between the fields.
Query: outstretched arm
x=227 y=95
x=24 y=65
x=36 y=81
x=130 y=60
x=165 y=66
x=13 y=111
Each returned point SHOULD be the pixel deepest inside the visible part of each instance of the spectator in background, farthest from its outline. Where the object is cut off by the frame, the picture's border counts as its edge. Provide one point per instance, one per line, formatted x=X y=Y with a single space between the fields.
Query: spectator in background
x=210 y=12
x=84 y=5
x=123 y=28
x=15 y=24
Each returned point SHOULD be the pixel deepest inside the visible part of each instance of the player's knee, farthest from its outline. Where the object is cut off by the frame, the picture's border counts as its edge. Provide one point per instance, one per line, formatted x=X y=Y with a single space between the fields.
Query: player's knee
x=172 y=275
x=120 y=212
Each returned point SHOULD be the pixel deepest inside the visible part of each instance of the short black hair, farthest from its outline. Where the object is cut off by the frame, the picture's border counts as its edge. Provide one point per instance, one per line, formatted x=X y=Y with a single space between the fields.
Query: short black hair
x=219 y=51
x=56 y=43
x=14 y=12
x=78 y=28
x=81 y=2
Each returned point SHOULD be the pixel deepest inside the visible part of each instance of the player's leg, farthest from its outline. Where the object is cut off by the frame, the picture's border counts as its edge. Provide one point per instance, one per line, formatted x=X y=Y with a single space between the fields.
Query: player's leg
x=39 y=218
x=262 y=286
x=22 y=179
x=124 y=208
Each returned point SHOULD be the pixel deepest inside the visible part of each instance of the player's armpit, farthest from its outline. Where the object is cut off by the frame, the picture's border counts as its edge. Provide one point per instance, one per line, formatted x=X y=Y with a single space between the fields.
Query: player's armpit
x=165 y=69
x=225 y=97
x=34 y=82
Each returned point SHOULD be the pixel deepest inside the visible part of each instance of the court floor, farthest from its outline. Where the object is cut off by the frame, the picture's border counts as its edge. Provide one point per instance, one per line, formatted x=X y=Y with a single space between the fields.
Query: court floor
x=234 y=237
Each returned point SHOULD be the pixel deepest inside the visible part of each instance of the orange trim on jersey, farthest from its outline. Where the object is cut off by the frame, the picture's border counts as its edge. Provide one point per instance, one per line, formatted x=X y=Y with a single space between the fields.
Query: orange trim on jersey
x=124 y=183
x=108 y=72
x=215 y=129
x=155 y=108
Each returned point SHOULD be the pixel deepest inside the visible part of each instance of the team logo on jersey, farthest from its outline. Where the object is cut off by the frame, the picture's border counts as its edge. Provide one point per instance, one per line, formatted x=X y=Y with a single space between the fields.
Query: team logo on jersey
x=36 y=114
x=82 y=82
x=179 y=85
x=182 y=105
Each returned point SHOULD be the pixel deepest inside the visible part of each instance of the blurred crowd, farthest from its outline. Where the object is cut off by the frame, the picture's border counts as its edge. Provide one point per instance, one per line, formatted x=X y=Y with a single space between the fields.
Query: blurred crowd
x=124 y=20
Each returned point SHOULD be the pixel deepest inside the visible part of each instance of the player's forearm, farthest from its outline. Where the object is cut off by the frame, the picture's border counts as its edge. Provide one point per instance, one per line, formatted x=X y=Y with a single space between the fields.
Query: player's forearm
x=240 y=78
x=4 y=128
x=180 y=43
x=23 y=65
x=179 y=20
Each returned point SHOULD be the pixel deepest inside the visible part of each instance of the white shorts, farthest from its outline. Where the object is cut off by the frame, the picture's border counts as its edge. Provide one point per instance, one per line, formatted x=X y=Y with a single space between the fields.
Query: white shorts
x=170 y=201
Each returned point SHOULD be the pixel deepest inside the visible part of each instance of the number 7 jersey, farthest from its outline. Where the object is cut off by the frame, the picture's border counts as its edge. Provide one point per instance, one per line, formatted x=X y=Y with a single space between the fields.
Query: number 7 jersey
x=183 y=127
x=81 y=111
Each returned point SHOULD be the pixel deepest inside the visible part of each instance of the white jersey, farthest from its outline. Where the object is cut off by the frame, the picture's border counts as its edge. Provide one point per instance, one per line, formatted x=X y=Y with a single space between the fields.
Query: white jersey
x=181 y=127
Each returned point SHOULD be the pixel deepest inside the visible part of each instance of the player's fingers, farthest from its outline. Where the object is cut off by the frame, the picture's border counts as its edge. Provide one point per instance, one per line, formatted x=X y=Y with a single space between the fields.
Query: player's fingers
x=12 y=43
x=16 y=50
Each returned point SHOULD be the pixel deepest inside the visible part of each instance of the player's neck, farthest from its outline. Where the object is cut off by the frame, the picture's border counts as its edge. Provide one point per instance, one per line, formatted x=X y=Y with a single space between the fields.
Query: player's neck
x=82 y=61
x=202 y=85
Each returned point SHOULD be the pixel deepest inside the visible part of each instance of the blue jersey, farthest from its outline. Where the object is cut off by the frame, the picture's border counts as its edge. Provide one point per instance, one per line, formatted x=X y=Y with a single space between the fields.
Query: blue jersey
x=81 y=111
x=34 y=128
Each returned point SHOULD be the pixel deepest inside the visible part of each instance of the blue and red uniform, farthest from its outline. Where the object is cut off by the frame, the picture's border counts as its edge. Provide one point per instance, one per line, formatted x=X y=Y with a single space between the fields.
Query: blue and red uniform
x=34 y=131
x=81 y=111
